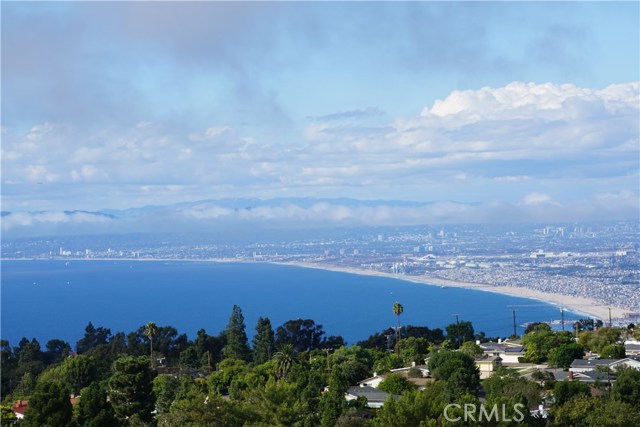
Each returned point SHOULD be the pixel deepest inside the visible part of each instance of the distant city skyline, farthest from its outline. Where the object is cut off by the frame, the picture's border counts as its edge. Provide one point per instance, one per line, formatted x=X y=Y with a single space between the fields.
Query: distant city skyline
x=527 y=109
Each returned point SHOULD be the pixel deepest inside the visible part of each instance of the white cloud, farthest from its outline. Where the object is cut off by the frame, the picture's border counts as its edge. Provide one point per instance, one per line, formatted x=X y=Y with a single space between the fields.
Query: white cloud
x=29 y=219
x=471 y=146
x=537 y=199
x=520 y=100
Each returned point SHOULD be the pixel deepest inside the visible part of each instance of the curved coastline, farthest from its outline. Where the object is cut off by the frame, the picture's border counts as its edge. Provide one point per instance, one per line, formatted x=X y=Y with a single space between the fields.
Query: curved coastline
x=579 y=305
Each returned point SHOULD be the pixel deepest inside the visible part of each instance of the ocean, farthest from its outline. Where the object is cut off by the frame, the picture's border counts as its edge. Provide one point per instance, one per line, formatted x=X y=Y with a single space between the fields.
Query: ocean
x=46 y=299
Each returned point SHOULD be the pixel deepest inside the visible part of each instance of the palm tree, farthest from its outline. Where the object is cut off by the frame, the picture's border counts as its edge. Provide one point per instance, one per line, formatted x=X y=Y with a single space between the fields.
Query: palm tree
x=285 y=358
x=151 y=332
x=397 y=310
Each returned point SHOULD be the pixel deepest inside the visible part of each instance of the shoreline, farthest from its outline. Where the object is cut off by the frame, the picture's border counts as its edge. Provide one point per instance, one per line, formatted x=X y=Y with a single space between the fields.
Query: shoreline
x=578 y=305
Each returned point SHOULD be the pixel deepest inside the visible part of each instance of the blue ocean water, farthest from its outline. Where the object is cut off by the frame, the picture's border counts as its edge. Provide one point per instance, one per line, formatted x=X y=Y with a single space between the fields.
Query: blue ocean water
x=56 y=299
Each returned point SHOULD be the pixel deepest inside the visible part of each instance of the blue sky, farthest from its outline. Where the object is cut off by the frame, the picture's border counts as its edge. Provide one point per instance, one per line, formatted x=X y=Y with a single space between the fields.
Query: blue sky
x=116 y=105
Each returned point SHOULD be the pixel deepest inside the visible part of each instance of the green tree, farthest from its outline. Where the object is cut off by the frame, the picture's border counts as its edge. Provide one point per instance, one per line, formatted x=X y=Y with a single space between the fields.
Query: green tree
x=30 y=358
x=7 y=416
x=237 y=345
x=285 y=357
x=613 y=413
x=196 y=409
x=457 y=370
x=189 y=358
x=130 y=388
x=587 y=411
x=596 y=340
x=279 y=403
x=332 y=406
x=471 y=349
x=57 y=350
x=208 y=348
x=563 y=356
x=26 y=385
x=165 y=390
x=414 y=349
x=539 y=343
x=304 y=334
x=627 y=386
x=398 y=309
x=352 y=418
x=78 y=372
x=563 y=391
x=9 y=364
x=49 y=406
x=263 y=341
x=613 y=351
x=228 y=370
x=417 y=408
x=150 y=332
x=537 y=326
x=460 y=332
x=94 y=410
x=351 y=364
x=396 y=384
x=545 y=378
x=93 y=337
x=508 y=383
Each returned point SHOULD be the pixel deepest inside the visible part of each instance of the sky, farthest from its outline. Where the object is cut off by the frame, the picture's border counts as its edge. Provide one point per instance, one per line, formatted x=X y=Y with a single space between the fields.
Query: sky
x=477 y=108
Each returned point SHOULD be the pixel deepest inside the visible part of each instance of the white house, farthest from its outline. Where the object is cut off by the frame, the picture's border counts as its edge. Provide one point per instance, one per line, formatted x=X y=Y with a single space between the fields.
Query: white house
x=508 y=351
x=375 y=398
x=419 y=382
x=581 y=365
x=632 y=348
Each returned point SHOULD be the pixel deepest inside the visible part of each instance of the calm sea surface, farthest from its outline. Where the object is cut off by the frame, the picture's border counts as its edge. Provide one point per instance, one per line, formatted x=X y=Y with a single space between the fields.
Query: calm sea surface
x=56 y=299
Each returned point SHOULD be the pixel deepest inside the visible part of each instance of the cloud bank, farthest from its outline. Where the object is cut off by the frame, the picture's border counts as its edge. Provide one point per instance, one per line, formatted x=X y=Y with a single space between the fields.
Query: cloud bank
x=502 y=143
x=295 y=214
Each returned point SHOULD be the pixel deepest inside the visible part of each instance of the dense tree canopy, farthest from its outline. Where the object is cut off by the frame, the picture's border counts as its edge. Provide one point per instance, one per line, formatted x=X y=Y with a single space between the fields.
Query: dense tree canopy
x=49 y=406
x=282 y=385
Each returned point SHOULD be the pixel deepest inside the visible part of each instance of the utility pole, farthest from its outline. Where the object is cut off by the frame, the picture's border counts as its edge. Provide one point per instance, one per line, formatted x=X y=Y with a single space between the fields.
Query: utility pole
x=327 y=350
x=514 y=323
x=609 y=316
x=562 y=315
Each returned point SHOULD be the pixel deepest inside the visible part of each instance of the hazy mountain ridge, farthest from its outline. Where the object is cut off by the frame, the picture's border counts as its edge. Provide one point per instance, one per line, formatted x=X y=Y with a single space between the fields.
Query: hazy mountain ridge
x=286 y=214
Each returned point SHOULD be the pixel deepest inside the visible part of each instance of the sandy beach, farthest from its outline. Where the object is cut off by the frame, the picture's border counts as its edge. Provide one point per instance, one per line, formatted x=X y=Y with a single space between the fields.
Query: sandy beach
x=580 y=305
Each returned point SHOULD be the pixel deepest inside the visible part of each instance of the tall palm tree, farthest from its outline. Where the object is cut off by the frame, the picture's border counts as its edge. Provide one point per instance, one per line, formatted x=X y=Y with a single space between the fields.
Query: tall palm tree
x=397 y=310
x=151 y=332
x=285 y=358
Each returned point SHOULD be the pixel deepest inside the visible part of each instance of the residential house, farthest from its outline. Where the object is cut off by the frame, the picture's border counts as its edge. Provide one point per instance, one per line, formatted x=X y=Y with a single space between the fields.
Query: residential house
x=487 y=365
x=19 y=408
x=632 y=348
x=509 y=351
x=375 y=397
x=582 y=365
x=420 y=382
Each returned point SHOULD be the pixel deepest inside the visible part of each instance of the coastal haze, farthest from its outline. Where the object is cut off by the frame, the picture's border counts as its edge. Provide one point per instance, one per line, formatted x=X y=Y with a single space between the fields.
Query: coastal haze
x=492 y=146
